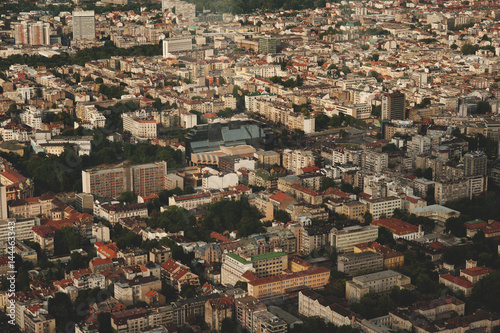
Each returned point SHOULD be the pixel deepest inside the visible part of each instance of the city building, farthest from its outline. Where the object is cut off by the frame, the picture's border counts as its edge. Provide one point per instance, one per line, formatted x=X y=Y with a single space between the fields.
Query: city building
x=400 y=229
x=279 y=284
x=331 y=309
x=445 y=191
x=437 y=213
x=475 y=164
x=84 y=25
x=351 y=263
x=175 y=45
x=375 y=283
x=22 y=227
x=216 y=310
x=262 y=265
x=142 y=179
x=345 y=239
x=190 y=201
x=383 y=207
x=267 y=45
x=393 y=106
x=4 y=213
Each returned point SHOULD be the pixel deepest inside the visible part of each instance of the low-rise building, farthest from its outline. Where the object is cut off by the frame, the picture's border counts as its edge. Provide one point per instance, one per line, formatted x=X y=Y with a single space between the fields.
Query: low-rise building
x=351 y=263
x=375 y=283
x=331 y=309
x=400 y=229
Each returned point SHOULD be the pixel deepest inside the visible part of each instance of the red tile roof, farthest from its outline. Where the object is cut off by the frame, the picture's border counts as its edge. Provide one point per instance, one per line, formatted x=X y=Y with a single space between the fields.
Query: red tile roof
x=458 y=280
x=396 y=226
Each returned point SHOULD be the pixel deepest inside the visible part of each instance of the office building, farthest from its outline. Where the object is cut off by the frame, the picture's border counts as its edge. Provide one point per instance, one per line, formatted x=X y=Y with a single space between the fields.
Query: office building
x=393 y=106
x=475 y=164
x=175 y=45
x=143 y=179
x=267 y=45
x=83 y=24
x=351 y=263
x=375 y=283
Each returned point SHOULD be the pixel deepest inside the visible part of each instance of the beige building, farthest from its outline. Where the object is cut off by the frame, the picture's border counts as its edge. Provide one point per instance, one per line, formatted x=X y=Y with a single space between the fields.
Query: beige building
x=383 y=206
x=132 y=291
x=313 y=304
x=295 y=160
x=267 y=287
x=38 y=320
x=375 y=283
x=267 y=158
x=216 y=310
x=345 y=239
x=437 y=213
x=354 y=210
x=262 y=265
x=445 y=191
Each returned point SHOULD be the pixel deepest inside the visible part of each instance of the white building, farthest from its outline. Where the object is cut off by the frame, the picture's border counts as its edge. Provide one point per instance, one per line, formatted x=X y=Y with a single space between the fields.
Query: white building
x=22 y=227
x=233 y=267
x=83 y=24
x=220 y=181
x=188 y=120
x=176 y=44
x=190 y=201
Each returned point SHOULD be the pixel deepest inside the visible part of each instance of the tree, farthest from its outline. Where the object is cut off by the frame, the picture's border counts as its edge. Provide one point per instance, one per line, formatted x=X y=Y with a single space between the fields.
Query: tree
x=282 y=216
x=468 y=49
x=322 y=122
x=327 y=183
x=104 y=320
x=367 y=218
x=128 y=197
x=456 y=226
x=376 y=111
x=228 y=325
x=187 y=291
x=242 y=285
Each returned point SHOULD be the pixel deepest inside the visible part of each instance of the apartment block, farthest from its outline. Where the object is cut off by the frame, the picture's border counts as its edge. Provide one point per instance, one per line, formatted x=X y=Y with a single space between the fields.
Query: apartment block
x=392 y=258
x=129 y=321
x=445 y=191
x=38 y=320
x=345 y=239
x=267 y=322
x=216 y=310
x=143 y=179
x=375 y=283
x=140 y=128
x=84 y=25
x=475 y=164
x=297 y=159
x=351 y=263
x=245 y=309
x=375 y=161
x=355 y=210
x=132 y=291
x=383 y=207
x=22 y=227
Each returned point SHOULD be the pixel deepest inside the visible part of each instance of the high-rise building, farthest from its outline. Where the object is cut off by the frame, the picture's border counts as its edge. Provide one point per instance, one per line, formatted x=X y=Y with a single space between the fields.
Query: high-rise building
x=393 y=106
x=21 y=35
x=143 y=179
x=183 y=8
x=83 y=24
x=475 y=164
x=32 y=33
x=267 y=45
